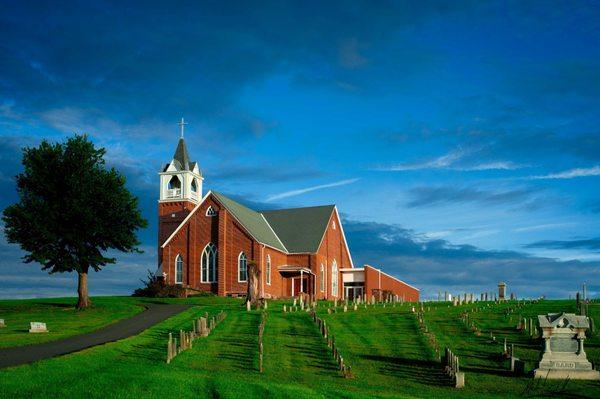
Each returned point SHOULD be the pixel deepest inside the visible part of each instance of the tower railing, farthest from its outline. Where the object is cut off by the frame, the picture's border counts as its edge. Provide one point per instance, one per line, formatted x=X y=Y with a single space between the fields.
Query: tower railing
x=174 y=193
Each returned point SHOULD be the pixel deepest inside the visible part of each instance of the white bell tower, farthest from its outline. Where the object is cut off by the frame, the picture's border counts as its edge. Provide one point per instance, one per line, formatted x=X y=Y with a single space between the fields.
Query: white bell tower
x=181 y=179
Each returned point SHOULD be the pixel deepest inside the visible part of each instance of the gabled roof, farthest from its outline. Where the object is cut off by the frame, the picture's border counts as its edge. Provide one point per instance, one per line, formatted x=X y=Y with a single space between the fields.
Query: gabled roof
x=296 y=230
x=252 y=221
x=300 y=229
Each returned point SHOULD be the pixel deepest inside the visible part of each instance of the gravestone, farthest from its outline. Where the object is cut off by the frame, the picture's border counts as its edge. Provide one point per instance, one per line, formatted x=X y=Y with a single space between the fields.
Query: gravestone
x=37 y=327
x=564 y=356
x=519 y=366
x=203 y=328
x=2 y=324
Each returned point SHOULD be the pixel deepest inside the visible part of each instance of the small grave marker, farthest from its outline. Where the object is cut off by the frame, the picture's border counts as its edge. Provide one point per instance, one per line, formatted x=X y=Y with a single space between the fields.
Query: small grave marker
x=2 y=324
x=37 y=327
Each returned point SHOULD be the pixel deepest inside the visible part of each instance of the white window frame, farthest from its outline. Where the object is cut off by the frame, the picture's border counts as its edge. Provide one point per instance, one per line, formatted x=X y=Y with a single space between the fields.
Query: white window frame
x=334 y=278
x=242 y=256
x=333 y=224
x=268 y=269
x=209 y=249
x=322 y=278
x=210 y=211
x=178 y=262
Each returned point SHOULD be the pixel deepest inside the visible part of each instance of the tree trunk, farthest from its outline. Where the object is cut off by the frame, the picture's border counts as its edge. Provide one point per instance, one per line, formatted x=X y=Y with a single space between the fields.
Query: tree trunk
x=252 y=295
x=82 y=291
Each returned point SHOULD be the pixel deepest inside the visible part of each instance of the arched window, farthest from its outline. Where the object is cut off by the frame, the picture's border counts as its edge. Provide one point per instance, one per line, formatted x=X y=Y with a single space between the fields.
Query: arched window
x=268 y=271
x=174 y=183
x=174 y=187
x=178 y=270
x=333 y=224
x=194 y=186
x=242 y=268
x=322 y=278
x=334 y=278
x=208 y=264
x=210 y=212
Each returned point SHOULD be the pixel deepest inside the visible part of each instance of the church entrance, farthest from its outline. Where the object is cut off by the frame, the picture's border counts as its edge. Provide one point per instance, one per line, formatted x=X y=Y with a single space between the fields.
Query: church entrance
x=298 y=279
x=353 y=290
x=299 y=285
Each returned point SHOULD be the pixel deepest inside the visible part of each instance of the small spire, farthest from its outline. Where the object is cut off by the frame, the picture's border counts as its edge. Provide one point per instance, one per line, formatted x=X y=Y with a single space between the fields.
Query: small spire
x=182 y=125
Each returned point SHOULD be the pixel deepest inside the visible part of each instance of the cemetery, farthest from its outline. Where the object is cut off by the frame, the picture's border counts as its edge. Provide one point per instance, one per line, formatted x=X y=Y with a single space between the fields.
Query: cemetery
x=303 y=348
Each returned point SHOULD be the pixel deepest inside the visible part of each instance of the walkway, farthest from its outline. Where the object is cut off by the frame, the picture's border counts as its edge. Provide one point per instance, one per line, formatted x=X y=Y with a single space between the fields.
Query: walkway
x=123 y=329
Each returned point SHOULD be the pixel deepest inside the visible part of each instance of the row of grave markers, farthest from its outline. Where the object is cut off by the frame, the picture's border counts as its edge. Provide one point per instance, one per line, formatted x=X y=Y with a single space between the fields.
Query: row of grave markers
x=201 y=327
x=261 y=332
x=430 y=336
x=452 y=368
x=344 y=368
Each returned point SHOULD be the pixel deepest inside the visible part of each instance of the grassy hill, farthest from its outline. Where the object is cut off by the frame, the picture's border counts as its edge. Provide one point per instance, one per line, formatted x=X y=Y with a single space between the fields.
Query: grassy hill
x=389 y=355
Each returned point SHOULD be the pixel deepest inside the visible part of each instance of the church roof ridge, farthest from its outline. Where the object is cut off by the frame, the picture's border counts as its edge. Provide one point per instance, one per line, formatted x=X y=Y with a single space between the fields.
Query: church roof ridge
x=298 y=208
x=293 y=230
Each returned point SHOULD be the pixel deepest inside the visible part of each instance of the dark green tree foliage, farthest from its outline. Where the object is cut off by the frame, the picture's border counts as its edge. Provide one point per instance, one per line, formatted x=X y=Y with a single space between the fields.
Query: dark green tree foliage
x=72 y=210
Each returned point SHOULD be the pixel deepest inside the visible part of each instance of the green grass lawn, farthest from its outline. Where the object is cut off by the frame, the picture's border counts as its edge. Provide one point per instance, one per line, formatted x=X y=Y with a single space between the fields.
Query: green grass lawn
x=389 y=357
x=61 y=317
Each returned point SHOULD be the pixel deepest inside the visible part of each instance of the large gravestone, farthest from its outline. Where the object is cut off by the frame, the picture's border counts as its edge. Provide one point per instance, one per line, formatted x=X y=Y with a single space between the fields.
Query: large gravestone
x=564 y=356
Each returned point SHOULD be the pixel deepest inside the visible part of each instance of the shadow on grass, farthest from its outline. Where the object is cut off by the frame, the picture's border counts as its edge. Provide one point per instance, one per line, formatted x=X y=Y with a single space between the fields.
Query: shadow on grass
x=423 y=371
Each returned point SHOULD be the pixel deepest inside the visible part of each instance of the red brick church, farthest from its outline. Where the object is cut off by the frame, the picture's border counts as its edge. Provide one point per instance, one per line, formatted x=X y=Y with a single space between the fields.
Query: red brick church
x=206 y=241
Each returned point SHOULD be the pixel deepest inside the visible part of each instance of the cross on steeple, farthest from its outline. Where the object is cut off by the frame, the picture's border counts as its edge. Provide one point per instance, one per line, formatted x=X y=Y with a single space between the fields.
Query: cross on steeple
x=182 y=125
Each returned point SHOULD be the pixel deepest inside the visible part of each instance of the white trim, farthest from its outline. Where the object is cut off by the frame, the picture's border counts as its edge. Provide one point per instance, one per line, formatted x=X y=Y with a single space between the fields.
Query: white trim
x=335 y=277
x=178 y=259
x=392 y=277
x=238 y=267
x=213 y=212
x=343 y=235
x=209 y=266
x=184 y=221
x=322 y=278
x=268 y=269
x=275 y=234
x=325 y=232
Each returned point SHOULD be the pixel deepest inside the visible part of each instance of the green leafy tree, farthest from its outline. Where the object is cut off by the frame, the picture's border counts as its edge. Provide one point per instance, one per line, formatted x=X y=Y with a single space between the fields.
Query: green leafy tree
x=72 y=210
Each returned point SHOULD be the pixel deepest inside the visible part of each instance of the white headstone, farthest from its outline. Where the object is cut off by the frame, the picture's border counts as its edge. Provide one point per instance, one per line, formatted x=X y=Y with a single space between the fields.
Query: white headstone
x=37 y=327
x=2 y=324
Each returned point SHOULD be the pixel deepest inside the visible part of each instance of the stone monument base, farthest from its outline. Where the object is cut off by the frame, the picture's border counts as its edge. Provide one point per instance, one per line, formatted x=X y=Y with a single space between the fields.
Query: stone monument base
x=564 y=374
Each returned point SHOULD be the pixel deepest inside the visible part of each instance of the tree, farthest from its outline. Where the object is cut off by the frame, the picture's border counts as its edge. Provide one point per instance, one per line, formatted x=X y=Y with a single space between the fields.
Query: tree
x=72 y=210
x=252 y=294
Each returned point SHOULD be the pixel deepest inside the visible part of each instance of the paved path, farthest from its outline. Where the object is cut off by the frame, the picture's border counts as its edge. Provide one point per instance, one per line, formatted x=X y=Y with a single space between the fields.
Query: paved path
x=113 y=332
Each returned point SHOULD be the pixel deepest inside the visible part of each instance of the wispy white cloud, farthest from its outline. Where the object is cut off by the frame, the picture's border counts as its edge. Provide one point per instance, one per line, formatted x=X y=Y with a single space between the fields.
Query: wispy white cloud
x=293 y=193
x=452 y=161
x=538 y=227
x=497 y=165
x=438 y=163
x=570 y=174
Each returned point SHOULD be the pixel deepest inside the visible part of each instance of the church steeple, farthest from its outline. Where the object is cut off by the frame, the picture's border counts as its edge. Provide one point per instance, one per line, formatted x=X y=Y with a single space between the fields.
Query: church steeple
x=181 y=155
x=181 y=179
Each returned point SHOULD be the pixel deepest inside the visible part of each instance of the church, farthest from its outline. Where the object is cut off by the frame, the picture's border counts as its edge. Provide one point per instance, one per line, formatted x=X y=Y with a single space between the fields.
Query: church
x=205 y=242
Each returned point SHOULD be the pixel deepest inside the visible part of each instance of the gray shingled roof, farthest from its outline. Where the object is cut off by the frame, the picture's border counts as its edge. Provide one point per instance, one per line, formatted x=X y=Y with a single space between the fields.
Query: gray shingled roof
x=253 y=222
x=299 y=229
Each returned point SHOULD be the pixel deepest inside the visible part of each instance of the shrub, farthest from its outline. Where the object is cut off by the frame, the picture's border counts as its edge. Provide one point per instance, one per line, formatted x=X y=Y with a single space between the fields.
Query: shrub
x=155 y=287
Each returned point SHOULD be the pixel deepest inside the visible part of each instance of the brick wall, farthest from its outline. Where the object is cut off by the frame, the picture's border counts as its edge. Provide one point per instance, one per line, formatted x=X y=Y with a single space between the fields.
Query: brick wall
x=374 y=279
x=231 y=238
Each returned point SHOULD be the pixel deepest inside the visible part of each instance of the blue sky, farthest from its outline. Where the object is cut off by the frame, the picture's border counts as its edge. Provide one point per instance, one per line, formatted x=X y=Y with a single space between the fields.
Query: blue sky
x=459 y=140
